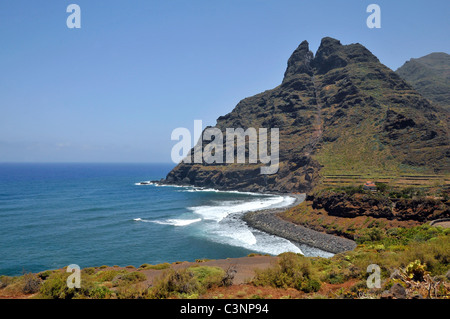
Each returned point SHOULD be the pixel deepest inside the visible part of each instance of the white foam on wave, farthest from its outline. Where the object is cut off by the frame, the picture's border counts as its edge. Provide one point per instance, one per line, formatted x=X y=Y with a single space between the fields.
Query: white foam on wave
x=230 y=229
x=223 y=209
x=178 y=222
x=193 y=190
x=237 y=233
x=240 y=235
x=173 y=222
x=150 y=183
x=144 y=183
x=166 y=185
x=221 y=221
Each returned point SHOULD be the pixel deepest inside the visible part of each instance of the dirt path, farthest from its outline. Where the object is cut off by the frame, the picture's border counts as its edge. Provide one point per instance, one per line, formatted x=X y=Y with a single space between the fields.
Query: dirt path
x=445 y=224
x=244 y=266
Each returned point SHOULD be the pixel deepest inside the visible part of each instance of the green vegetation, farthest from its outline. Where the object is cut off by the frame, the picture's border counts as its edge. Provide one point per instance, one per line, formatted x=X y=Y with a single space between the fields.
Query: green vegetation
x=107 y=275
x=186 y=283
x=157 y=267
x=32 y=283
x=55 y=287
x=429 y=75
x=292 y=271
x=93 y=285
x=416 y=258
x=390 y=192
x=415 y=252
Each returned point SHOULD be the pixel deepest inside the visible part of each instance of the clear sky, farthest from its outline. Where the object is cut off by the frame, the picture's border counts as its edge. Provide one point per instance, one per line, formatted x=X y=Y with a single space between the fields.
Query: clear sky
x=114 y=90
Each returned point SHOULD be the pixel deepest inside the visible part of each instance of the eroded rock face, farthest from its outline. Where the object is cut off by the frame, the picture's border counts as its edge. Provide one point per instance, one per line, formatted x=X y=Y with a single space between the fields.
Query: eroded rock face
x=344 y=205
x=340 y=110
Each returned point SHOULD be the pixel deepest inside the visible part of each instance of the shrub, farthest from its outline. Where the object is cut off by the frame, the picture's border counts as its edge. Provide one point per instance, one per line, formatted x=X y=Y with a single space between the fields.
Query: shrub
x=335 y=278
x=309 y=285
x=202 y=260
x=131 y=292
x=351 y=190
x=208 y=276
x=32 y=284
x=100 y=292
x=133 y=277
x=128 y=278
x=292 y=271
x=108 y=275
x=157 y=267
x=254 y=254
x=145 y=266
x=187 y=283
x=381 y=187
x=416 y=270
x=45 y=274
x=360 y=286
x=5 y=281
x=90 y=270
x=175 y=282
x=55 y=287
x=227 y=279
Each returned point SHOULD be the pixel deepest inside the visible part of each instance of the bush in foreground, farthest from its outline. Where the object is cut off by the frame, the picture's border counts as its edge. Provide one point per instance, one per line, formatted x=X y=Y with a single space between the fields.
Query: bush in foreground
x=186 y=283
x=292 y=271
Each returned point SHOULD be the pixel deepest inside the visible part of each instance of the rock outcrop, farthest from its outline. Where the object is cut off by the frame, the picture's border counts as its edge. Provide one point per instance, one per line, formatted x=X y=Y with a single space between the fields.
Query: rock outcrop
x=344 y=205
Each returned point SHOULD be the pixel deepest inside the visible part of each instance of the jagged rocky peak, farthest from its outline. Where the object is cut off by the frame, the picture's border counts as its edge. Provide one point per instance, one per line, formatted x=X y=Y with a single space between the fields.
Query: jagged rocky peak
x=299 y=62
x=339 y=111
x=330 y=55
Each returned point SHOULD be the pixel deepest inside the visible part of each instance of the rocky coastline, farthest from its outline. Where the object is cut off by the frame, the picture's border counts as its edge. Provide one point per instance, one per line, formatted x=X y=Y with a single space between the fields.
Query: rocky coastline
x=268 y=221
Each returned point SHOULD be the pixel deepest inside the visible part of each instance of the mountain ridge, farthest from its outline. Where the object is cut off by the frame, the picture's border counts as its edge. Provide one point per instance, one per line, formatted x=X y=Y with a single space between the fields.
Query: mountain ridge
x=339 y=110
x=430 y=76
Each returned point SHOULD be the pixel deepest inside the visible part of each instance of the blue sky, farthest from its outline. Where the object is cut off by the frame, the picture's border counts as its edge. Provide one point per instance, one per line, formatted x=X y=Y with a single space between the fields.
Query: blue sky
x=114 y=90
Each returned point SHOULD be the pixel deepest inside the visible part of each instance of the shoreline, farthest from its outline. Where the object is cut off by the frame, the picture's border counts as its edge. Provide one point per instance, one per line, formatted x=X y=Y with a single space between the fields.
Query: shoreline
x=268 y=221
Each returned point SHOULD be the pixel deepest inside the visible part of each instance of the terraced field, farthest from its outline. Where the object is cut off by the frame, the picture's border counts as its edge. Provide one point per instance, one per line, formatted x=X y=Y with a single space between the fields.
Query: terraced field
x=399 y=181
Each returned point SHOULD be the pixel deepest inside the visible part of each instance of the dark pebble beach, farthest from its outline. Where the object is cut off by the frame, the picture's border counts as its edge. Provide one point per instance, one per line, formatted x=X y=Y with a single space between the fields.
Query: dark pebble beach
x=268 y=221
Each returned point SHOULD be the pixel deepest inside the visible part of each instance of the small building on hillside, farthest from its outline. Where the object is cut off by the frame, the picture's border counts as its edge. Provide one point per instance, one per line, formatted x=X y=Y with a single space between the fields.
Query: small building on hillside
x=370 y=186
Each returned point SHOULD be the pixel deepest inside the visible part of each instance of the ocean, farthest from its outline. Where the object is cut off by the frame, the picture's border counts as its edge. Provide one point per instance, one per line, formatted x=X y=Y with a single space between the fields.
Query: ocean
x=53 y=215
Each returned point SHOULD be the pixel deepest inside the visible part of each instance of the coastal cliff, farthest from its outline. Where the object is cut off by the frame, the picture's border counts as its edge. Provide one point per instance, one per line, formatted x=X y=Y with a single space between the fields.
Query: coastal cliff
x=339 y=111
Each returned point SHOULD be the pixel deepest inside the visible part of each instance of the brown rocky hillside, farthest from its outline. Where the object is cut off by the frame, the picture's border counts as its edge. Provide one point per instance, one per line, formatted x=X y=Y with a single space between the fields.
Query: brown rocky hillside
x=339 y=111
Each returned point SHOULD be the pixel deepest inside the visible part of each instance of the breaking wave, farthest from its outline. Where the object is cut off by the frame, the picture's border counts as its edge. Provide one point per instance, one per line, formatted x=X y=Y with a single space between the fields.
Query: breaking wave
x=173 y=222
x=219 y=220
x=222 y=223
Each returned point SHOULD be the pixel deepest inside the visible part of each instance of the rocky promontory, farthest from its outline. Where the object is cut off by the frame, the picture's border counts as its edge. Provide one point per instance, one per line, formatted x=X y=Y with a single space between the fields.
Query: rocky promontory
x=338 y=111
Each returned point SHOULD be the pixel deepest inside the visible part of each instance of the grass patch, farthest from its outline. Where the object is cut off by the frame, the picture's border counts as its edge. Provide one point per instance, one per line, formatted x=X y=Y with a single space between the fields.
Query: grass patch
x=156 y=267
x=187 y=283
x=291 y=271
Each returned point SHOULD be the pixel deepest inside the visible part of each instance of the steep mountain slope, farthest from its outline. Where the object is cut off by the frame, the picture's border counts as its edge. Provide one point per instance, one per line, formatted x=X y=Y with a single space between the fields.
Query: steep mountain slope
x=430 y=76
x=340 y=111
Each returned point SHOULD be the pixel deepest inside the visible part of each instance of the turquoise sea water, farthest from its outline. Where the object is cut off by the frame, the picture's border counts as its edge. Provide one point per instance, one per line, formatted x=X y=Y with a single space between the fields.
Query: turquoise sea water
x=53 y=215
